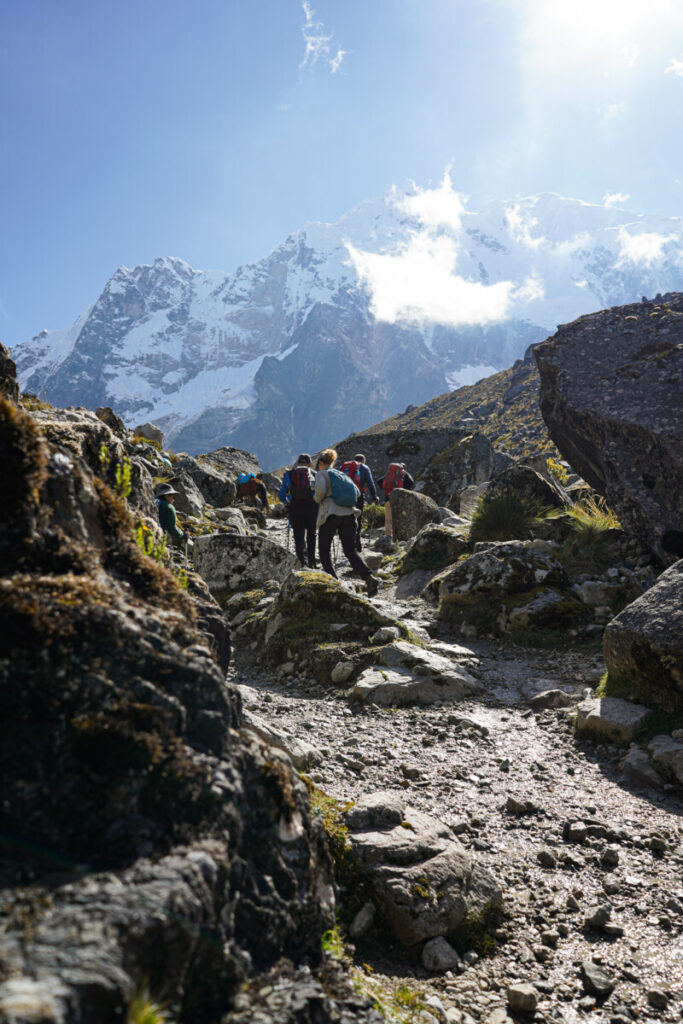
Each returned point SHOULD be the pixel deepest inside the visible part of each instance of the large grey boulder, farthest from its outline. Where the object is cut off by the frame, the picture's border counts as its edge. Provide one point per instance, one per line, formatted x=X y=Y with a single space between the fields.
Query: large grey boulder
x=150 y=433
x=611 y=398
x=643 y=645
x=410 y=511
x=526 y=482
x=469 y=460
x=231 y=461
x=423 y=883
x=9 y=386
x=434 y=547
x=611 y=719
x=190 y=499
x=214 y=482
x=667 y=751
x=229 y=562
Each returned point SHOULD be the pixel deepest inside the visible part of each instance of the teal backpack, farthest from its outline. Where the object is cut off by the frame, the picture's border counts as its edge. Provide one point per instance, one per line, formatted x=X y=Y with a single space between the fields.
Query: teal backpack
x=244 y=478
x=344 y=491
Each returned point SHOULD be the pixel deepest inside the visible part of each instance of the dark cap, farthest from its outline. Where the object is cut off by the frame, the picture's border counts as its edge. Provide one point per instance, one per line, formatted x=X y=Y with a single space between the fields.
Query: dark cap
x=304 y=460
x=359 y=458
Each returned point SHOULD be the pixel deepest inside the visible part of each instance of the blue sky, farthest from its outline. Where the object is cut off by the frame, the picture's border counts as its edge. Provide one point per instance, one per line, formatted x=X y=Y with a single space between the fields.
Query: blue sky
x=210 y=130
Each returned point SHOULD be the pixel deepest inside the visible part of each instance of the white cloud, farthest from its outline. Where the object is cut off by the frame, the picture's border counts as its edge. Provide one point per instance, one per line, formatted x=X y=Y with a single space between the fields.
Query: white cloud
x=612 y=111
x=317 y=44
x=532 y=289
x=420 y=284
x=645 y=248
x=436 y=207
x=675 y=68
x=616 y=198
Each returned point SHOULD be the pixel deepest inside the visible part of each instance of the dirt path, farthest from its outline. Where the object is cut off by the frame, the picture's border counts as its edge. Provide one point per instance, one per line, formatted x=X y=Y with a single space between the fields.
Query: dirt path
x=461 y=762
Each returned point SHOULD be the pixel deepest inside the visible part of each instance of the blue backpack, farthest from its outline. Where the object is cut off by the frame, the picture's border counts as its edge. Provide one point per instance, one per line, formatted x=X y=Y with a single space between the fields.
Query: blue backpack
x=244 y=478
x=344 y=491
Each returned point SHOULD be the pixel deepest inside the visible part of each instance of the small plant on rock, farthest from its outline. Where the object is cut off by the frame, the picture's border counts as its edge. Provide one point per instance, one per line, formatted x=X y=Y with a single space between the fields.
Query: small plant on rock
x=506 y=517
x=557 y=470
x=144 y=1010
x=593 y=515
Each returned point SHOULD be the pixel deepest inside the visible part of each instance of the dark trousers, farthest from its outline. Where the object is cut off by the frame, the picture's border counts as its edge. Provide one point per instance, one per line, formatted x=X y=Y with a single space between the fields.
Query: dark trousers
x=345 y=526
x=303 y=516
x=359 y=521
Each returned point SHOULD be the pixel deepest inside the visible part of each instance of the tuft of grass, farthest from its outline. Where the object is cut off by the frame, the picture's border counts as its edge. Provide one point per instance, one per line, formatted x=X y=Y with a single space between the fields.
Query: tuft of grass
x=145 y=1010
x=333 y=944
x=328 y=811
x=506 y=517
x=593 y=515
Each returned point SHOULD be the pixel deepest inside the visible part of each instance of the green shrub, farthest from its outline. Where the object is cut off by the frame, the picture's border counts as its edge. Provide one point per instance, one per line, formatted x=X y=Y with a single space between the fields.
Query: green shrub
x=373 y=515
x=592 y=516
x=506 y=517
x=589 y=548
x=144 y=1010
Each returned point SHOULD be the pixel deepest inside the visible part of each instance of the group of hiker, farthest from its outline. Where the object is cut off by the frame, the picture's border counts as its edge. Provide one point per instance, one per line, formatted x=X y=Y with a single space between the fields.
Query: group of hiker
x=330 y=502
x=326 y=502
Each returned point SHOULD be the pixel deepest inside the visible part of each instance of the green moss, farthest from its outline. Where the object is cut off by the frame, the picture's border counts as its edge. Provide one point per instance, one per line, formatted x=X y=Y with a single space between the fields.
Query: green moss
x=328 y=810
x=23 y=463
x=475 y=931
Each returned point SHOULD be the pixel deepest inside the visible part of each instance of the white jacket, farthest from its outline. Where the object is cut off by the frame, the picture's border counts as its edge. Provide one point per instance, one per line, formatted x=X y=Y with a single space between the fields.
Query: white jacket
x=327 y=507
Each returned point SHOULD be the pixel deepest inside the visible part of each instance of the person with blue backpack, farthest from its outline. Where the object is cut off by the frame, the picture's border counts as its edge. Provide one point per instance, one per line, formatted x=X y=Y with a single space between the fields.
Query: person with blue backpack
x=297 y=494
x=361 y=475
x=337 y=495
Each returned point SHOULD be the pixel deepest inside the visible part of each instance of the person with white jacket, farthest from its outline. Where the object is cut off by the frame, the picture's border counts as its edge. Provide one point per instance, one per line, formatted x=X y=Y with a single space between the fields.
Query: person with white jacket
x=337 y=519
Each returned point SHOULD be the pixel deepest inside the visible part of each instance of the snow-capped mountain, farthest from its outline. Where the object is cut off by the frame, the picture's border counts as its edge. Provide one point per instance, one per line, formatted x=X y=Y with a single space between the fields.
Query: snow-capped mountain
x=345 y=324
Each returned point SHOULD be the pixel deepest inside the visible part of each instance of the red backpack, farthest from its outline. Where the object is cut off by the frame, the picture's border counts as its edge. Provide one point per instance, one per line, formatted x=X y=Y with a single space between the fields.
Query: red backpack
x=352 y=469
x=394 y=478
x=301 y=484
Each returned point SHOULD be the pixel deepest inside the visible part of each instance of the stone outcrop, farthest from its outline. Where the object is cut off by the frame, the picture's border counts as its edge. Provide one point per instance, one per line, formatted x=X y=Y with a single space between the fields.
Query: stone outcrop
x=423 y=883
x=611 y=719
x=611 y=397
x=643 y=645
x=411 y=511
x=434 y=547
x=407 y=674
x=128 y=791
x=230 y=562
x=9 y=386
x=149 y=432
x=190 y=499
x=215 y=483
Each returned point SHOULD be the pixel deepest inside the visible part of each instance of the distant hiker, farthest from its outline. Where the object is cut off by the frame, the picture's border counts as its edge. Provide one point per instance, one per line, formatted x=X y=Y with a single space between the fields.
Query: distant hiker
x=337 y=495
x=296 y=493
x=165 y=496
x=360 y=473
x=250 y=485
x=396 y=476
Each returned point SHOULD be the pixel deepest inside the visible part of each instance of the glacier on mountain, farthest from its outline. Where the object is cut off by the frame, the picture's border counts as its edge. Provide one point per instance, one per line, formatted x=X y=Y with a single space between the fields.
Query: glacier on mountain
x=344 y=324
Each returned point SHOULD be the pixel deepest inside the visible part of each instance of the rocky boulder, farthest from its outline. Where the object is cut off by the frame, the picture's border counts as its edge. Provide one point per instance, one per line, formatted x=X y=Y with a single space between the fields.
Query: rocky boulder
x=114 y=422
x=411 y=511
x=230 y=562
x=643 y=645
x=527 y=483
x=469 y=460
x=9 y=386
x=508 y=586
x=611 y=719
x=407 y=674
x=423 y=883
x=214 y=482
x=190 y=499
x=434 y=547
x=611 y=398
x=149 y=432
x=120 y=757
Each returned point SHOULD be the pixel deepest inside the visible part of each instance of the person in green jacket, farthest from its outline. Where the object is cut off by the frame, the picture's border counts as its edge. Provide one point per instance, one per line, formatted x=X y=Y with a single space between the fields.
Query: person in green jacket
x=165 y=496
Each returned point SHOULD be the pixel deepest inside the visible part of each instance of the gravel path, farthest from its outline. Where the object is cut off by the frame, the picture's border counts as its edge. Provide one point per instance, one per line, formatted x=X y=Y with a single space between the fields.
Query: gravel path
x=462 y=763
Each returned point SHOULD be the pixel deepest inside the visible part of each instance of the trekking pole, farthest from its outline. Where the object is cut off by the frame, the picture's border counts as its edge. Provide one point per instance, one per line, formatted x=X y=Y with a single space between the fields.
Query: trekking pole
x=372 y=517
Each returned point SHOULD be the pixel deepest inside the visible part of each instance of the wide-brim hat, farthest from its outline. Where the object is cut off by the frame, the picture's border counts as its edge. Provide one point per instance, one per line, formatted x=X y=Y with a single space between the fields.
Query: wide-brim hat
x=304 y=460
x=162 y=490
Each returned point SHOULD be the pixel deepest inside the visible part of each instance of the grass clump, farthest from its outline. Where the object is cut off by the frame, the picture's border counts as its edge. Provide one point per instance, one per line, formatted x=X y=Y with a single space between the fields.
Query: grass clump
x=333 y=944
x=593 y=515
x=328 y=811
x=506 y=517
x=373 y=515
x=145 y=1010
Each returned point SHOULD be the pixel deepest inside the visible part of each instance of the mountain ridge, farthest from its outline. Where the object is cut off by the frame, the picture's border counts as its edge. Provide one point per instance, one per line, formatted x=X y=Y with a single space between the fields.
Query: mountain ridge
x=345 y=324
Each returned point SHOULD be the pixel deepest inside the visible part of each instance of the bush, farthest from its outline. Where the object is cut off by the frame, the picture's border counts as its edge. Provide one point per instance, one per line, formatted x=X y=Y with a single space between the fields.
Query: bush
x=589 y=548
x=373 y=514
x=506 y=517
x=592 y=516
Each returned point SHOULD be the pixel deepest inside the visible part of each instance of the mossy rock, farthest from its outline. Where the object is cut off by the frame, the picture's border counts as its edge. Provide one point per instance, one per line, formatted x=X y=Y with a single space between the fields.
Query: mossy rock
x=435 y=547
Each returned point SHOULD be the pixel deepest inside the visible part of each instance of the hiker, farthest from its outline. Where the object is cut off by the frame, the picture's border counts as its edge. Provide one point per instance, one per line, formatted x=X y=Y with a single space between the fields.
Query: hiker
x=336 y=514
x=360 y=473
x=250 y=485
x=165 y=496
x=297 y=494
x=396 y=476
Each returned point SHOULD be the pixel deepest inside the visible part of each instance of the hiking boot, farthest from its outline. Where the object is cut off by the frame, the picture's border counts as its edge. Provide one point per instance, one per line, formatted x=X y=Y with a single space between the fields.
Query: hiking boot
x=371 y=585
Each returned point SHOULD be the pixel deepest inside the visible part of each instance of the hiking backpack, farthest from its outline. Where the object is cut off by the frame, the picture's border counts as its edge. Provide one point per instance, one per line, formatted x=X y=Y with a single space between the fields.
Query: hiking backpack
x=394 y=478
x=344 y=491
x=301 y=483
x=352 y=469
x=244 y=478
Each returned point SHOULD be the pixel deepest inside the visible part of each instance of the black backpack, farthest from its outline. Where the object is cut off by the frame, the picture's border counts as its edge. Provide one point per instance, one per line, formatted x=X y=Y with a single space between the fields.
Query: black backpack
x=301 y=483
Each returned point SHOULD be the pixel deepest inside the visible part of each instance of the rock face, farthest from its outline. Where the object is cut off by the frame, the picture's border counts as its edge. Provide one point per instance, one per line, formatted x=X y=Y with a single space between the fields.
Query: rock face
x=611 y=396
x=229 y=562
x=424 y=884
x=410 y=512
x=187 y=847
x=643 y=645
x=9 y=386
